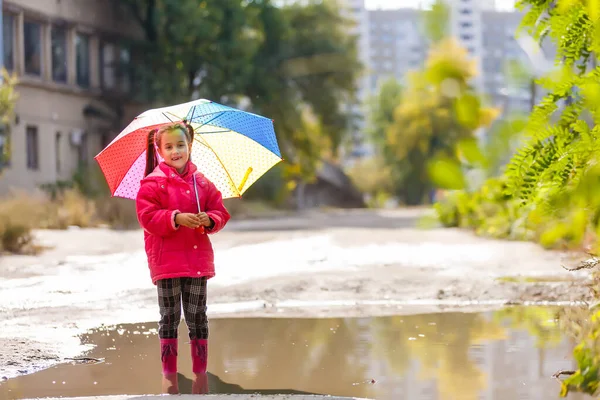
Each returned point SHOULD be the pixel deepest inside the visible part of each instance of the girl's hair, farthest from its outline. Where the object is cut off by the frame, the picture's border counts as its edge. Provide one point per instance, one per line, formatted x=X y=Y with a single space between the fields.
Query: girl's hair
x=153 y=143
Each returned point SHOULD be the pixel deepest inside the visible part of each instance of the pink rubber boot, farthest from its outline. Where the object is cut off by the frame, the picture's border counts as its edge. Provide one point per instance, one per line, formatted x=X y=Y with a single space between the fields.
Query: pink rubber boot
x=168 y=357
x=199 y=348
x=199 y=355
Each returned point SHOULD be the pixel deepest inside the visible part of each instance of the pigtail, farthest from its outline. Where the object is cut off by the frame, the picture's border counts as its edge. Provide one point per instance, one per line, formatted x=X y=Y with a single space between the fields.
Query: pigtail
x=151 y=156
x=190 y=131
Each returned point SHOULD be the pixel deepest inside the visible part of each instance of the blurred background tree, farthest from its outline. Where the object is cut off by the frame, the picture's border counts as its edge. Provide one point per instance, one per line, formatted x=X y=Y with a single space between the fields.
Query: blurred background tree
x=377 y=177
x=425 y=132
x=434 y=128
x=8 y=97
x=294 y=62
x=550 y=189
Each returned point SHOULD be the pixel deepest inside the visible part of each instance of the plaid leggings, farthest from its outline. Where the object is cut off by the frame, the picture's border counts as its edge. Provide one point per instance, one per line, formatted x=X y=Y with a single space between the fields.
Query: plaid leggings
x=171 y=292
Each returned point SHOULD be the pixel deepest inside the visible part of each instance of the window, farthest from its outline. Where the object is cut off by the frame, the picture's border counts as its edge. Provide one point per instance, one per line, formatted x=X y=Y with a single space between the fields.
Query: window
x=124 y=71
x=82 y=51
x=32 y=145
x=466 y=24
x=32 y=33
x=59 y=54
x=465 y=11
x=8 y=40
x=57 y=142
x=107 y=66
x=82 y=150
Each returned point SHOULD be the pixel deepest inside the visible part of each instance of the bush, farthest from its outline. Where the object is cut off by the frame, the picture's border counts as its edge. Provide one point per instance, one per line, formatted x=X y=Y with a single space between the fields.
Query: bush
x=19 y=214
x=489 y=212
x=71 y=208
x=117 y=213
x=372 y=177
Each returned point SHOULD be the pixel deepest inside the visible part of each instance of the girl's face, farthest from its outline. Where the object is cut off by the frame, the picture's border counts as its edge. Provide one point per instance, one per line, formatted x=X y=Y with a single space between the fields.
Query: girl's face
x=175 y=149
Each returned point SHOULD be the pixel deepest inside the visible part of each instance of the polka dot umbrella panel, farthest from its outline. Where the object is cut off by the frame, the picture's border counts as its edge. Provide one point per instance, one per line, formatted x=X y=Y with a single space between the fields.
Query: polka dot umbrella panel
x=232 y=148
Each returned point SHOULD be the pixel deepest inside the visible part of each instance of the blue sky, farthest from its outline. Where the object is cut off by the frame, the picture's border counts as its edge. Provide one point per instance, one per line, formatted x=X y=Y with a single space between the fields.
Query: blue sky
x=500 y=4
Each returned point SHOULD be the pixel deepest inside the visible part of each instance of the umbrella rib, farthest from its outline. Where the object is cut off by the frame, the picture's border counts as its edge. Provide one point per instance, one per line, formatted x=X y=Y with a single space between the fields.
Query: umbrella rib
x=230 y=130
x=212 y=119
x=206 y=132
x=169 y=118
x=224 y=167
x=192 y=112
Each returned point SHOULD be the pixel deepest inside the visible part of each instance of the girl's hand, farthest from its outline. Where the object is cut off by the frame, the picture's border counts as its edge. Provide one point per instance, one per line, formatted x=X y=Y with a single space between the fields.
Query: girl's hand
x=204 y=219
x=188 y=220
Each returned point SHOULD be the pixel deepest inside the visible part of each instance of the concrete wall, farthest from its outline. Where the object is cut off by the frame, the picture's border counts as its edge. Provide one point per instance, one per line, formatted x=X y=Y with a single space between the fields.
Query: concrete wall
x=95 y=14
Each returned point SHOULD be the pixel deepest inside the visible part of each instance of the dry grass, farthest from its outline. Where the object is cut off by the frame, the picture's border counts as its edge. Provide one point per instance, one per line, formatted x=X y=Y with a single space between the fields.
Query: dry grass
x=117 y=213
x=20 y=213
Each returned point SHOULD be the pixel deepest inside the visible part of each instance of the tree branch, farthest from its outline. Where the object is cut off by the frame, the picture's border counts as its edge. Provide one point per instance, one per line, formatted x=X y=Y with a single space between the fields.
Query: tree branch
x=586 y=264
x=557 y=374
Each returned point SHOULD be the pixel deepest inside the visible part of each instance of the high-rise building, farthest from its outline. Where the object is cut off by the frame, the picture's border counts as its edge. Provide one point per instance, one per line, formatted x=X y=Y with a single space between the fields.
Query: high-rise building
x=500 y=48
x=396 y=44
x=355 y=10
x=466 y=26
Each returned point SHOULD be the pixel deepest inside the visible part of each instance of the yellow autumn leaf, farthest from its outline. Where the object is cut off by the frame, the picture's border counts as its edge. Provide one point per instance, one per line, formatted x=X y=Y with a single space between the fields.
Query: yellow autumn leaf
x=593 y=7
x=563 y=5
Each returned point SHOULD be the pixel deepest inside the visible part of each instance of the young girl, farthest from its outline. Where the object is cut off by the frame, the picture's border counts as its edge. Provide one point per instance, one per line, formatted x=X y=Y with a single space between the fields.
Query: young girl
x=180 y=255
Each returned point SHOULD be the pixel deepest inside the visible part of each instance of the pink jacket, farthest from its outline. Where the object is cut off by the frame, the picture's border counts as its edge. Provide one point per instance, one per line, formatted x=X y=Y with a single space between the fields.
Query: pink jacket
x=178 y=251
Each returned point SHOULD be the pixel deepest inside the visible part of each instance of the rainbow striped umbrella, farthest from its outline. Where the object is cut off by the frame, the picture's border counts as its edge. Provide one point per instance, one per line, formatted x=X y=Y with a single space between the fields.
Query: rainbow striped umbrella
x=232 y=148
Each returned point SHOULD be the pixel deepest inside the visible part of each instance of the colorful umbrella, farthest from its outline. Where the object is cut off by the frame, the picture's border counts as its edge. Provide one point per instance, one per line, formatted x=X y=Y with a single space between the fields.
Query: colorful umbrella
x=232 y=148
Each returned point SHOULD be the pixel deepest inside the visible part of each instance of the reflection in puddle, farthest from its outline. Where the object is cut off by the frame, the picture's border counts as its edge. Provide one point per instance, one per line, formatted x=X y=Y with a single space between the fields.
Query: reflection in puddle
x=508 y=354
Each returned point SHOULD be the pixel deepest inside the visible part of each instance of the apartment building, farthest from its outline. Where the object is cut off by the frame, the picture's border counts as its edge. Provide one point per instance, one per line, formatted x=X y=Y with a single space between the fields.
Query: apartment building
x=67 y=55
x=396 y=44
x=355 y=10
x=500 y=48
x=466 y=25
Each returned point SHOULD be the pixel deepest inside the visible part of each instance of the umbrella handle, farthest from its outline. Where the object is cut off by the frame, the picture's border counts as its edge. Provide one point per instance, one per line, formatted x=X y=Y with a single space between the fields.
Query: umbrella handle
x=196 y=191
x=197 y=200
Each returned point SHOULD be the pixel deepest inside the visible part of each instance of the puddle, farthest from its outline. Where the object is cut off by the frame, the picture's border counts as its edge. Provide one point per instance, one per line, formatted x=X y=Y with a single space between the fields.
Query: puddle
x=507 y=354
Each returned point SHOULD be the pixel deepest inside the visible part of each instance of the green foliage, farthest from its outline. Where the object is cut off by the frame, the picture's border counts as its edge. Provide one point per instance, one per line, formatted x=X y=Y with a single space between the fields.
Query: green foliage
x=295 y=63
x=430 y=139
x=561 y=138
x=583 y=326
x=381 y=117
x=585 y=379
x=487 y=211
x=490 y=212
x=550 y=190
x=382 y=107
x=436 y=21
x=8 y=97
x=372 y=177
